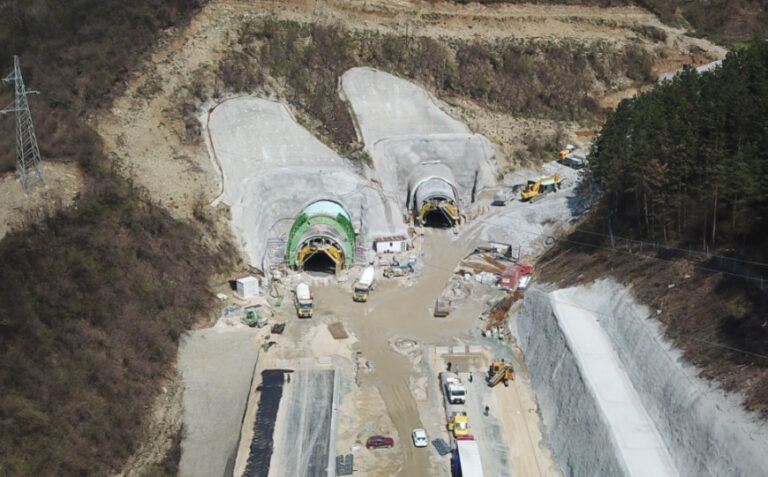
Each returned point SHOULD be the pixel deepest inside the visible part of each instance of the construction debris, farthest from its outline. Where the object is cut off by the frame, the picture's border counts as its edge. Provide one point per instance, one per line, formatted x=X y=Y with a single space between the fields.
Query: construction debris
x=497 y=315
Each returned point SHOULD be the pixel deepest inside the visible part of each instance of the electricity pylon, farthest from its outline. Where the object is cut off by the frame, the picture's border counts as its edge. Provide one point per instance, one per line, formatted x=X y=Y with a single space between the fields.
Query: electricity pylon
x=27 y=152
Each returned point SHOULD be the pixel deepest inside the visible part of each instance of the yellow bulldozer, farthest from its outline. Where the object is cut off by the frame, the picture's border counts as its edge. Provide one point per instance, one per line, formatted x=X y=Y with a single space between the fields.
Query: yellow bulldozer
x=499 y=372
x=538 y=186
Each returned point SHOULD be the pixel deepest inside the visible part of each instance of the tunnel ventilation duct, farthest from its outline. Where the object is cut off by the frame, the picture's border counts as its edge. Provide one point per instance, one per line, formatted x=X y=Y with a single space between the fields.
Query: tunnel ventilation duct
x=433 y=196
x=322 y=238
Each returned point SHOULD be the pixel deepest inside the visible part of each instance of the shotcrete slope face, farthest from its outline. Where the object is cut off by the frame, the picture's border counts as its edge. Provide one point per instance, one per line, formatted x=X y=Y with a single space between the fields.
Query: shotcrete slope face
x=273 y=168
x=636 y=440
x=403 y=126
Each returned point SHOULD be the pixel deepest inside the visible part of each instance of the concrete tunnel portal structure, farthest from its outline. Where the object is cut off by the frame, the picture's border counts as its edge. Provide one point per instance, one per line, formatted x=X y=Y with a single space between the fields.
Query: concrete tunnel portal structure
x=432 y=195
x=321 y=239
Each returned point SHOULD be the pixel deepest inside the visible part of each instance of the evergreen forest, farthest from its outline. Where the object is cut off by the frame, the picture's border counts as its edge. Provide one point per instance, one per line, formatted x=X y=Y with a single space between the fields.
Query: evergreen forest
x=686 y=163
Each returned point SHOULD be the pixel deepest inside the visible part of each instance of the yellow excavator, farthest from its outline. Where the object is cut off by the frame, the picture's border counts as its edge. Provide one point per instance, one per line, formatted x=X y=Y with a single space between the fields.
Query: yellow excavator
x=498 y=372
x=564 y=153
x=538 y=186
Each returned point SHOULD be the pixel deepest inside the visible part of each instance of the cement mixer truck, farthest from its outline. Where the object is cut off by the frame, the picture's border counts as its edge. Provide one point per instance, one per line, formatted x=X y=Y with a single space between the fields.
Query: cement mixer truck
x=364 y=286
x=304 y=301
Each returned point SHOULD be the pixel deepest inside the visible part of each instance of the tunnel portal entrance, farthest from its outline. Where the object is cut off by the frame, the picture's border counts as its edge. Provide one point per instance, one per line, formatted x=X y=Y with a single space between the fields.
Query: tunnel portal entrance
x=322 y=239
x=437 y=218
x=320 y=262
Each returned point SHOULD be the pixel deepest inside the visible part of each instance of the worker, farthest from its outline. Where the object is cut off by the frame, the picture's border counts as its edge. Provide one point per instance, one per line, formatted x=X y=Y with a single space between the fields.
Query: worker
x=487 y=409
x=449 y=366
x=470 y=377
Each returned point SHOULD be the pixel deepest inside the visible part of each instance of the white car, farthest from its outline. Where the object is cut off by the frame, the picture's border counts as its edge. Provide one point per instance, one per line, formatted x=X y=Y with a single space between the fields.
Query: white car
x=419 y=437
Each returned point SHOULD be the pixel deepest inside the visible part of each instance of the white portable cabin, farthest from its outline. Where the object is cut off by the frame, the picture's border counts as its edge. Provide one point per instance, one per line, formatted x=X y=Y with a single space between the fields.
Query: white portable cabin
x=247 y=287
x=395 y=244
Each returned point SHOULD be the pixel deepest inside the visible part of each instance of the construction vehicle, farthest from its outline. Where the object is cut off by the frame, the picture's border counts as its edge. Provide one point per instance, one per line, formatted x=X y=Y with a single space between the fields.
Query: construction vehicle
x=304 y=301
x=499 y=371
x=500 y=198
x=538 y=186
x=455 y=392
x=564 y=153
x=465 y=460
x=365 y=284
x=458 y=423
x=397 y=270
x=253 y=318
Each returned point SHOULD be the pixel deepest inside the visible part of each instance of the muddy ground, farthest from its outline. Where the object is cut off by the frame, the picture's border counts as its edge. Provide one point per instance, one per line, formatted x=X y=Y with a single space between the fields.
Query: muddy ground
x=389 y=367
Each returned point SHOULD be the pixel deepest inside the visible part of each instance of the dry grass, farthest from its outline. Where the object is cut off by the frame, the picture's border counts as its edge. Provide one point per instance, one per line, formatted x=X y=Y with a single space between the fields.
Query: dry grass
x=518 y=77
x=93 y=298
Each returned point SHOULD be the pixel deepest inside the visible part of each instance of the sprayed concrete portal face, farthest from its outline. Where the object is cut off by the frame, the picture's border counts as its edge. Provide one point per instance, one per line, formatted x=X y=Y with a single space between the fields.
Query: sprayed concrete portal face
x=272 y=169
x=294 y=201
x=322 y=238
x=404 y=129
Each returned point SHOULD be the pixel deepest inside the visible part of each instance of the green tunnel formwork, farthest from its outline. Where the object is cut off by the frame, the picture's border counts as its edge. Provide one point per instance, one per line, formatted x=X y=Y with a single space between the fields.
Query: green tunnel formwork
x=322 y=220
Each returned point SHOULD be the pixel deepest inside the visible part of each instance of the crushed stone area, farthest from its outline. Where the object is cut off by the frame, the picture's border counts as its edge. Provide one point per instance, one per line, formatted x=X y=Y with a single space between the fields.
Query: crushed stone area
x=530 y=227
x=217 y=366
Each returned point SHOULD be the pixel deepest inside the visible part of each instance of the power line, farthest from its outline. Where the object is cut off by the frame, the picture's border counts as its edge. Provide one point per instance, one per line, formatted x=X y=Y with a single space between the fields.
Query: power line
x=667 y=247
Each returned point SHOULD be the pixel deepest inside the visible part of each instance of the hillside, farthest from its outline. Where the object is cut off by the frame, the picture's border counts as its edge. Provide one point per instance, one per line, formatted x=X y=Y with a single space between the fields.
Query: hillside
x=682 y=216
x=96 y=290
x=93 y=297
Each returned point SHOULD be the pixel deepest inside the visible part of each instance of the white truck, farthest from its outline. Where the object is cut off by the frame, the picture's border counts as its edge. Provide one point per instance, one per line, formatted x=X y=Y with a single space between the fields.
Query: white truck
x=304 y=301
x=455 y=391
x=466 y=459
x=365 y=284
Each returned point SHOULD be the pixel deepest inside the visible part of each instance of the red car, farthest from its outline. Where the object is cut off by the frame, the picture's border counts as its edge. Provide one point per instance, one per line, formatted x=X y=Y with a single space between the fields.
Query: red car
x=377 y=442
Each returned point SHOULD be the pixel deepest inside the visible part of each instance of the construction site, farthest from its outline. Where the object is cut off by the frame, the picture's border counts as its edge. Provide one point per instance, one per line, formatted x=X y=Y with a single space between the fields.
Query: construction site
x=388 y=316
x=392 y=301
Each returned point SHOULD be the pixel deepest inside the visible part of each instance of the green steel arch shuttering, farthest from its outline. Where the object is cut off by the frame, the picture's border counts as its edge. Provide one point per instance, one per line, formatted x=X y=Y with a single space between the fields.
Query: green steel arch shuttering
x=325 y=218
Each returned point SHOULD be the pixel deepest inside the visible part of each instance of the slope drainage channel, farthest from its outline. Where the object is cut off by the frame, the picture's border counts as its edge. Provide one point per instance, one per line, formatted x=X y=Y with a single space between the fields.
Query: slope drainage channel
x=264 y=426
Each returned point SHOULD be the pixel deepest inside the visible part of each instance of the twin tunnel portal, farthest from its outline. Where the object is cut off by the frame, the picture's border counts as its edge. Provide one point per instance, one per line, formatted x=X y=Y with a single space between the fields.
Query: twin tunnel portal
x=323 y=237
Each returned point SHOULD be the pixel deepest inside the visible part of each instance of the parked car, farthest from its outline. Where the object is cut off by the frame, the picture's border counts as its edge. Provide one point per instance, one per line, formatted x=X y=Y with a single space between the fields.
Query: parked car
x=377 y=442
x=419 y=437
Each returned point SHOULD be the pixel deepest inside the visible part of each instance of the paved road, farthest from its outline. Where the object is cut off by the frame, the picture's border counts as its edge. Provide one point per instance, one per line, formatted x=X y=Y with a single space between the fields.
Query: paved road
x=302 y=442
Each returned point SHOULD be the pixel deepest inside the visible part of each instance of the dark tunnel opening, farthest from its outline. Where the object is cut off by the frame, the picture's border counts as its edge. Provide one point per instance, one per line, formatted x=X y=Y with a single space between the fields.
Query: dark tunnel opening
x=437 y=219
x=320 y=262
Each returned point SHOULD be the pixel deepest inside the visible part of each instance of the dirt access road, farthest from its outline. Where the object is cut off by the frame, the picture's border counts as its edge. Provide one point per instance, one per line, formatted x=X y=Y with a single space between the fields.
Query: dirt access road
x=397 y=311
